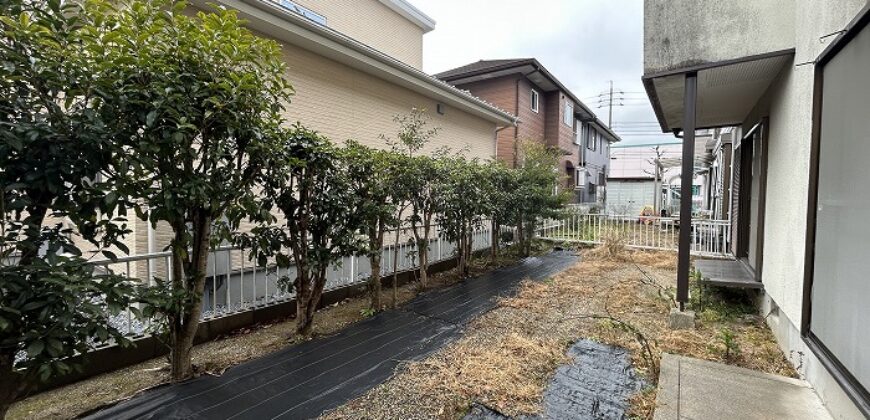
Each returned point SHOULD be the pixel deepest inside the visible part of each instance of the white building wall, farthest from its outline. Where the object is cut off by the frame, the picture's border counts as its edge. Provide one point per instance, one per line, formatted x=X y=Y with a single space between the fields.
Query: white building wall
x=788 y=103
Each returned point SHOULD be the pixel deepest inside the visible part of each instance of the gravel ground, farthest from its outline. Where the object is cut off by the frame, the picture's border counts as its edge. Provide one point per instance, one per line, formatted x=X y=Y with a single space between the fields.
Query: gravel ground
x=508 y=355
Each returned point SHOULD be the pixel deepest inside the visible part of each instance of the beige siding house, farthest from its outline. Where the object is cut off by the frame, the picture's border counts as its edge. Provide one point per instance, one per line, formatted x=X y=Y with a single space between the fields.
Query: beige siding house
x=354 y=66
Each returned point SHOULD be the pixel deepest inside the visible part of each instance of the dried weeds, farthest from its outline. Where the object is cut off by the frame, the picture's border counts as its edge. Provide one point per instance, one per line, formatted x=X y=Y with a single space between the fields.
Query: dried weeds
x=507 y=356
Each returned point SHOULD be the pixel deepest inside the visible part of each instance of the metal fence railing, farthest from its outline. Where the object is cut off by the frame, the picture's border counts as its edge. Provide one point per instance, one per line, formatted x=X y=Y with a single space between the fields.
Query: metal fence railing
x=236 y=284
x=708 y=237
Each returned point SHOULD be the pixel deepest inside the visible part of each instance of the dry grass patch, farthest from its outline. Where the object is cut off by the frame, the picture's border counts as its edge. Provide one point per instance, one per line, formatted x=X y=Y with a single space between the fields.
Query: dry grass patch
x=614 y=295
x=504 y=371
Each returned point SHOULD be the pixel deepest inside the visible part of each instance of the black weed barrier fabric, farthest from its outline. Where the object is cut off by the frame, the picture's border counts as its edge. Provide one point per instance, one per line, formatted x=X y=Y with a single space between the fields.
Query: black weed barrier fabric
x=307 y=379
x=597 y=385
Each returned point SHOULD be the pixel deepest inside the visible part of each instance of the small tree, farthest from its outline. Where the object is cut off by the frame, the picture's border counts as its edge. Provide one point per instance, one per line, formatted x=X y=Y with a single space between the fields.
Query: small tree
x=420 y=178
x=501 y=184
x=201 y=97
x=401 y=171
x=371 y=174
x=311 y=186
x=54 y=147
x=465 y=200
x=536 y=196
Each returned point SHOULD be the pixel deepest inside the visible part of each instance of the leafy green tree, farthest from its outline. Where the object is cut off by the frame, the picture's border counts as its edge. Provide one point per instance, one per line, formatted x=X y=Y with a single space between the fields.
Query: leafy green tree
x=372 y=176
x=501 y=186
x=312 y=188
x=419 y=181
x=401 y=171
x=54 y=152
x=465 y=200
x=201 y=97
x=536 y=196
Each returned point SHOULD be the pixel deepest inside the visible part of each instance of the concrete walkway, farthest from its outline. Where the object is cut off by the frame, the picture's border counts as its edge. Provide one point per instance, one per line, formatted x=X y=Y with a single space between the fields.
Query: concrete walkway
x=692 y=389
x=304 y=380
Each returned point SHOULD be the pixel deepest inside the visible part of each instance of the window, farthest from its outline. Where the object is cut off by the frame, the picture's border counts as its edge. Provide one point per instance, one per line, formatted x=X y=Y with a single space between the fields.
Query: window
x=580 y=178
x=590 y=138
x=302 y=11
x=535 y=100
x=837 y=246
x=568 y=117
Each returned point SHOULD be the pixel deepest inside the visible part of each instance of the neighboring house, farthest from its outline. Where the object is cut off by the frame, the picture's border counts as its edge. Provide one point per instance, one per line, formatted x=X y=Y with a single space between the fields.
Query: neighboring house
x=354 y=67
x=792 y=74
x=594 y=166
x=718 y=177
x=548 y=113
x=635 y=185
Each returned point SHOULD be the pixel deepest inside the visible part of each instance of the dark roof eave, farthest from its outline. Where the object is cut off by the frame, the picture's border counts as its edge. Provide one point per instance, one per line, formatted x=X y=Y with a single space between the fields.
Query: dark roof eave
x=649 y=85
x=517 y=63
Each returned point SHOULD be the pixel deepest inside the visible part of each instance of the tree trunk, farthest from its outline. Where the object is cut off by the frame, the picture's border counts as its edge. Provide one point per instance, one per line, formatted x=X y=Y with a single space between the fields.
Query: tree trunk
x=521 y=238
x=305 y=310
x=302 y=284
x=530 y=232
x=10 y=383
x=375 y=281
x=423 y=252
x=494 y=239
x=396 y=267
x=469 y=248
x=460 y=252
x=376 y=249
x=183 y=326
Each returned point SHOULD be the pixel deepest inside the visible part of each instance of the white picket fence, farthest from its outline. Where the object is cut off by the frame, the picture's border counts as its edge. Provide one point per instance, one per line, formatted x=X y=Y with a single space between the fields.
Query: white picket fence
x=709 y=238
x=235 y=284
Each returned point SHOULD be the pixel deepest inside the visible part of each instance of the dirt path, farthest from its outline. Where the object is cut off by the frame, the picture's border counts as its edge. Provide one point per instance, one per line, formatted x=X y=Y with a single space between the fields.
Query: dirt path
x=507 y=356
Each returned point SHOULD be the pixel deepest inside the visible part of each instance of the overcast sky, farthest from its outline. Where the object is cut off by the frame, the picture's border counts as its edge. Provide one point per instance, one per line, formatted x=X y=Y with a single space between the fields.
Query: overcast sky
x=583 y=43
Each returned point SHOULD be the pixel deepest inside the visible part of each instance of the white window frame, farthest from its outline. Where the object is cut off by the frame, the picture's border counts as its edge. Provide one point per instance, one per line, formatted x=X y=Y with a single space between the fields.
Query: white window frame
x=535 y=99
x=592 y=144
x=568 y=117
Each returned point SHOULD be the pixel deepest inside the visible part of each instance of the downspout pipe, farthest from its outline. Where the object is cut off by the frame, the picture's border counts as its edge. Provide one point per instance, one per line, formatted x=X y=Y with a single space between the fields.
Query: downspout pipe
x=495 y=137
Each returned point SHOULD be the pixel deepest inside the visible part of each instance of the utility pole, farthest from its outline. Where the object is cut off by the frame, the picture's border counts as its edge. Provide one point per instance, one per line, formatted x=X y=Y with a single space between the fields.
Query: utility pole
x=658 y=174
x=610 y=110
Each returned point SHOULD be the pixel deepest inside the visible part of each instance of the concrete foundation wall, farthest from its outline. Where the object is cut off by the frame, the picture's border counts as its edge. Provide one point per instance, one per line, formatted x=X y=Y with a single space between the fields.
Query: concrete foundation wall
x=807 y=364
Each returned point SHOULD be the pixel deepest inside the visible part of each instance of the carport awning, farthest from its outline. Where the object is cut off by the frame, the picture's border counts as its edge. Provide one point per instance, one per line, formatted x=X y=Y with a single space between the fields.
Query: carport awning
x=701 y=162
x=727 y=91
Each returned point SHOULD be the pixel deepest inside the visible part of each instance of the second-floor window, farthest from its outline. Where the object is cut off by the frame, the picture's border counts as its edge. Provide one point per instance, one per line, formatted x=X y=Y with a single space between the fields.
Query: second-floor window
x=302 y=11
x=590 y=139
x=568 y=117
x=535 y=100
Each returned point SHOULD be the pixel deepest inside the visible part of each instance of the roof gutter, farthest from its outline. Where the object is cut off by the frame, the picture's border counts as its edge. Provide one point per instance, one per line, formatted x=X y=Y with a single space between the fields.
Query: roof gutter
x=408 y=11
x=272 y=20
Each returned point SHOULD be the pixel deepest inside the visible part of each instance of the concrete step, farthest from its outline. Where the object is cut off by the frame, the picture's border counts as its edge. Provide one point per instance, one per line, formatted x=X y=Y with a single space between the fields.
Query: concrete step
x=698 y=389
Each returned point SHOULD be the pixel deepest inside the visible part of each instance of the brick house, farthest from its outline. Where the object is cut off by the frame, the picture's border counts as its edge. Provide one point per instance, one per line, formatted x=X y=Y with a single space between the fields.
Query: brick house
x=548 y=113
